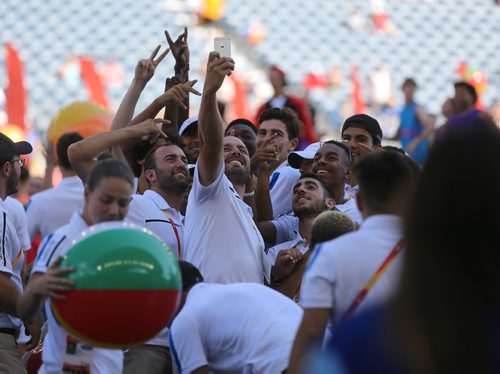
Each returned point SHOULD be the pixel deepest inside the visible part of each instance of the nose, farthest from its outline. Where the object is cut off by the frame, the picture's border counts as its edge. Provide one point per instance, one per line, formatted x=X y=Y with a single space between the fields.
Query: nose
x=113 y=211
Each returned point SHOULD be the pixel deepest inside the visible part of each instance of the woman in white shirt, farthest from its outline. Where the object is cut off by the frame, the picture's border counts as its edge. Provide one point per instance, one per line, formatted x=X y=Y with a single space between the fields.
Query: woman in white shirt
x=106 y=198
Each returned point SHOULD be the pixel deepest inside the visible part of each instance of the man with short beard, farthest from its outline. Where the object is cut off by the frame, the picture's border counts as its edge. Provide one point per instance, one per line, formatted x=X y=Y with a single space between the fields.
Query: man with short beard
x=222 y=240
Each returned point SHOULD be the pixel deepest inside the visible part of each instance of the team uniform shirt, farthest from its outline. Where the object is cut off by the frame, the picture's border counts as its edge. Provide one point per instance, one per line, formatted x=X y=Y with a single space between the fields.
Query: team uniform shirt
x=221 y=238
x=20 y=221
x=50 y=209
x=287 y=225
x=281 y=185
x=350 y=192
x=11 y=260
x=338 y=269
x=152 y=211
x=54 y=246
x=234 y=328
x=299 y=242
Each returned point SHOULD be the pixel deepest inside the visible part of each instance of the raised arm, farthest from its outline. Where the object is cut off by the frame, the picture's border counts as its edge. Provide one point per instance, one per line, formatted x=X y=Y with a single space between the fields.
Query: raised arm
x=82 y=154
x=210 y=122
x=144 y=71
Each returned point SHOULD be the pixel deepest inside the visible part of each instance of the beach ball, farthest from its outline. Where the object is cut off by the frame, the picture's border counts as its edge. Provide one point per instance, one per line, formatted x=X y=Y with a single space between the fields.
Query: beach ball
x=127 y=286
x=83 y=117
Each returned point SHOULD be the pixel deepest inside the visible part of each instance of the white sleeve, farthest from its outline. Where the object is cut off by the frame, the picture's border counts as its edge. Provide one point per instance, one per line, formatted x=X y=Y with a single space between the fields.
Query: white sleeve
x=319 y=280
x=186 y=345
x=51 y=248
x=22 y=225
x=135 y=213
x=5 y=250
x=285 y=228
x=32 y=217
x=200 y=193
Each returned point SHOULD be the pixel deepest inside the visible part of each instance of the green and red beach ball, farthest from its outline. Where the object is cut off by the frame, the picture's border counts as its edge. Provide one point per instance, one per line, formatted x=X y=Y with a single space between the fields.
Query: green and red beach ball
x=126 y=289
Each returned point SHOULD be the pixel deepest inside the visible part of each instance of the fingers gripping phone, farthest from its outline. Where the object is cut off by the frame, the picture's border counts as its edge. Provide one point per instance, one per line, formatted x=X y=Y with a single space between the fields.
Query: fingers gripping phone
x=222 y=45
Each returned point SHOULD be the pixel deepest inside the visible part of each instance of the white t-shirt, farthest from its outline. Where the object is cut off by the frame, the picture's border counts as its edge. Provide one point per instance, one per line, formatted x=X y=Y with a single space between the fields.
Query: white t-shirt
x=299 y=242
x=11 y=260
x=338 y=269
x=54 y=246
x=281 y=185
x=234 y=328
x=20 y=221
x=50 y=209
x=221 y=238
x=287 y=225
x=148 y=211
x=152 y=211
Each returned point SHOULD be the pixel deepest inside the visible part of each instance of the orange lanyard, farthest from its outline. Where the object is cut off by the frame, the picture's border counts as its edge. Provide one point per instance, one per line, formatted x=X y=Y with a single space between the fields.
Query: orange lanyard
x=375 y=277
x=174 y=227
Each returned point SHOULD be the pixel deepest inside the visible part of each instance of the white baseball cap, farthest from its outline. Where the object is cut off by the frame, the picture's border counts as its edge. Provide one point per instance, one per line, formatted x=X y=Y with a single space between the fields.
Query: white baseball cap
x=191 y=121
x=295 y=158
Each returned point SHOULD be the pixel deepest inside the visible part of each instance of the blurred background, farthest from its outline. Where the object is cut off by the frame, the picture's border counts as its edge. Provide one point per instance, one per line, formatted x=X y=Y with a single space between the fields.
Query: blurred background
x=341 y=57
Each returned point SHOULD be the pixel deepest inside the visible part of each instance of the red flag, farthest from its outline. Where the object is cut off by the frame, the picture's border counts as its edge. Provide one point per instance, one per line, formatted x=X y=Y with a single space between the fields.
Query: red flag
x=93 y=82
x=15 y=95
x=358 y=103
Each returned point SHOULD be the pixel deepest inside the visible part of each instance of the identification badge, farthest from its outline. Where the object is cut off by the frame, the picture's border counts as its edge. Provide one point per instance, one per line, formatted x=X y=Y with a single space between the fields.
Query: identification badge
x=78 y=357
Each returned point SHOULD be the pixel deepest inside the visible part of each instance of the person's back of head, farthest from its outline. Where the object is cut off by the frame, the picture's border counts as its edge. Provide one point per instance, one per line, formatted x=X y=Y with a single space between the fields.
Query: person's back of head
x=62 y=149
x=450 y=291
x=330 y=225
x=385 y=183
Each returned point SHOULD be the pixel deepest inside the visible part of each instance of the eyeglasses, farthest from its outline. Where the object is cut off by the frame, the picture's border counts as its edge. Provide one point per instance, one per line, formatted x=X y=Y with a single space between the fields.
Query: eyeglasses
x=21 y=161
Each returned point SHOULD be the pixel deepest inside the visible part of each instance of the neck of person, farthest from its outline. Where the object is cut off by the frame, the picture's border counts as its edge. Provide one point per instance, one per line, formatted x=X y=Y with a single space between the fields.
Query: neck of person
x=305 y=225
x=279 y=92
x=173 y=200
x=86 y=216
x=66 y=173
x=338 y=193
x=240 y=190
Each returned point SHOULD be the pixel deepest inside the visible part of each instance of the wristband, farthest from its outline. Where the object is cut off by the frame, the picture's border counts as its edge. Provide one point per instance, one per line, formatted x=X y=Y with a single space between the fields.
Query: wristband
x=249 y=194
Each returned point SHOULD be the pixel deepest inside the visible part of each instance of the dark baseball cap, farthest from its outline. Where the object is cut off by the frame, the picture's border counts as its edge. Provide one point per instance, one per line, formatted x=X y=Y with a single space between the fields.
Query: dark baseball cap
x=365 y=122
x=241 y=121
x=9 y=149
x=190 y=275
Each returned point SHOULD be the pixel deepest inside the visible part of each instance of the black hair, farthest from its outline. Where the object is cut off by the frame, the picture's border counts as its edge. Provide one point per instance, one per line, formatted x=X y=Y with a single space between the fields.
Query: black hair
x=409 y=82
x=190 y=275
x=285 y=115
x=150 y=159
x=241 y=121
x=109 y=168
x=346 y=155
x=326 y=191
x=381 y=175
x=469 y=88
x=62 y=148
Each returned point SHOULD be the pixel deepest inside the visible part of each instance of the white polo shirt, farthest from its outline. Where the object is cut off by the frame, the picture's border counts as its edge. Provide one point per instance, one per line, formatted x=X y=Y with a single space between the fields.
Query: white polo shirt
x=221 y=238
x=234 y=328
x=152 y=211
x=299 y=242
x=54 y=246
x=11 y=260
x=287 y=225
x=281 y=185
x=338 y=269
x=50 y=209
x=20 y=221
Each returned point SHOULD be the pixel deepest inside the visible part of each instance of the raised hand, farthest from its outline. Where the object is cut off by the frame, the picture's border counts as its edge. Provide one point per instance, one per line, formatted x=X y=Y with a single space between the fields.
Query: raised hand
x=145 y=68
x=285 y=262
x=266 y=157
x=51 y=283
x=179 y=93
x=151 y=129
x=180 y=50
x=217 y=69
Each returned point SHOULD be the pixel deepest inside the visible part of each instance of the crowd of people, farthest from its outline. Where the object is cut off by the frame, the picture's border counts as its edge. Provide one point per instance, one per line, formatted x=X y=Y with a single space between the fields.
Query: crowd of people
x=347 y=256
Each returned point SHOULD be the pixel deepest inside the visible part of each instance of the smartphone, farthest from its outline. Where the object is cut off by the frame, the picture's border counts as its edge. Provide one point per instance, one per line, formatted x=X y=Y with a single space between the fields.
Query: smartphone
x=222 y=45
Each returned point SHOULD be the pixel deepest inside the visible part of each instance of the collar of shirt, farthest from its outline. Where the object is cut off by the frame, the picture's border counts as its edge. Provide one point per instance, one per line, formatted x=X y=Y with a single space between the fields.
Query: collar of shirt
x=70 y=182
x=349 y=204
x=78 y=222
x=161 y=203
x=383 y=221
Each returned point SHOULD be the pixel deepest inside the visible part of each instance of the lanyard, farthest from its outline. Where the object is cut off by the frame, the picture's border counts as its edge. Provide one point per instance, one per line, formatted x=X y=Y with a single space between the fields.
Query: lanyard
x=174 y=227
x=375 y=277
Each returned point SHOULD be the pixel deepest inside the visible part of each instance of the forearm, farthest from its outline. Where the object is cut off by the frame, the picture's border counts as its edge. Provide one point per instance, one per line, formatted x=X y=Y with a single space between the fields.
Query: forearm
x=149 y=112
x=8 y=296
x=29 y=306
x=263 y=202
x=210 y=123
x=127 y=106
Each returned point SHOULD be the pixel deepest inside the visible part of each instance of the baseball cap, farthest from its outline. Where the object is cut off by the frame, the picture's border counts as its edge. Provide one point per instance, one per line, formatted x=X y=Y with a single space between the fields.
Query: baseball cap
x=9 y=149
x=296 y=157
x=191 y=121
x=365 y=122
x=190 y=275
x=241 y=121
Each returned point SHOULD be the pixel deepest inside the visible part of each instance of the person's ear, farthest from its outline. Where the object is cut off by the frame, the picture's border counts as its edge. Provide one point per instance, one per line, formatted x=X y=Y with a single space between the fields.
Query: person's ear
x=330 y=203
x=292 y=144
x=86 y=193
x=150 y=176
x=6 y=168
x=359 y=202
